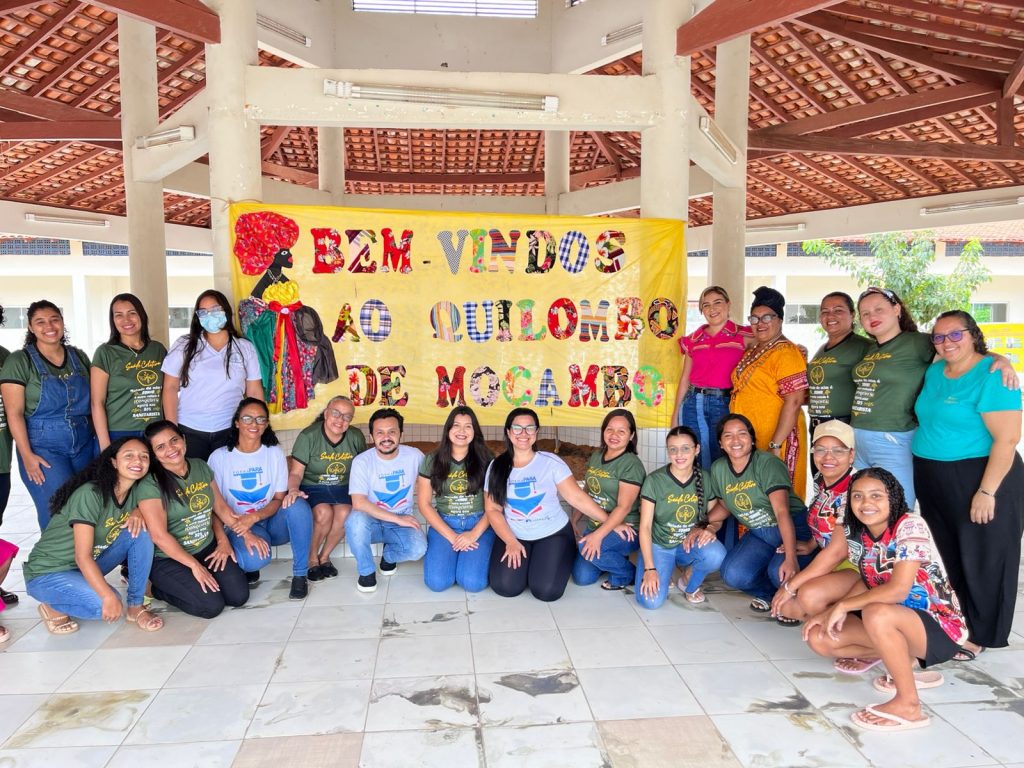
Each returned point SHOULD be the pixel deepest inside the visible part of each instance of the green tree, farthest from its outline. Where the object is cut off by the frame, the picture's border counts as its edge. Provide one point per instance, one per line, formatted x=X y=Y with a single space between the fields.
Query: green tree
x=902 y=262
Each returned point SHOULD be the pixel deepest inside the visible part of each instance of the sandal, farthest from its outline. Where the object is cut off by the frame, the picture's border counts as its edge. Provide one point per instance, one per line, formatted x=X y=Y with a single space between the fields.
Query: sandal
x=57 y=624
x=895 y=722
x=966 y=654
x=9 y=598
x=607 y=586
x=151 y=624
x=852 y=665
x=757 y=605
x=5 y=635
x=696 y=597
x=786 y=621
x=923 y=679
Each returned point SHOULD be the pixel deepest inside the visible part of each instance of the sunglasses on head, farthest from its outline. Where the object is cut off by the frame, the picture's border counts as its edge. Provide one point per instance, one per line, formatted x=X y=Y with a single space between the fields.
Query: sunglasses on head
x=884 y=292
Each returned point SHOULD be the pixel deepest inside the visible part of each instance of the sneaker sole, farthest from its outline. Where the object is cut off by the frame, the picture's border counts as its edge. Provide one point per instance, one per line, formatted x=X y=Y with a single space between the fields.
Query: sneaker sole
x=389 y=573
x=366 y=589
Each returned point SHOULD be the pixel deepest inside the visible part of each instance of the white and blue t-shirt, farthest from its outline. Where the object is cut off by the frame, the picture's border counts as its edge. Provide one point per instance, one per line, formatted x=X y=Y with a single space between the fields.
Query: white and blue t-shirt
x=532 y=508
x=388 y=483
x=248 y=481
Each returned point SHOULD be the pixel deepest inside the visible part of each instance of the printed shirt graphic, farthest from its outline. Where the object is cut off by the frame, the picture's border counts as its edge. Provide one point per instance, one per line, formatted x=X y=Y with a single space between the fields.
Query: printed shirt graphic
x=134 y=385
x=745 y=494
x=190 y=515
x=677 y=507
x=602 y=480
x=387 y=483
x=830 y=377
x=454 y=498
x=910 y=539
x=828 y=508
x=327 y=463
x=887 y=381
x=532 y=508
x=248 y=481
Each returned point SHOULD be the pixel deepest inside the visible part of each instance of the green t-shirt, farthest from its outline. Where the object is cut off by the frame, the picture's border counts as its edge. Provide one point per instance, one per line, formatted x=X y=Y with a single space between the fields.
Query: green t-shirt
x=454 y=498
x=602 y=478
x=5 y=433
x=55 y=550
x=745 y=494
x=190 y=516
x=18 y=368
x=327 y=463
x=830 y=377
x=134 y=386
x=887 y=381
x=677 y=506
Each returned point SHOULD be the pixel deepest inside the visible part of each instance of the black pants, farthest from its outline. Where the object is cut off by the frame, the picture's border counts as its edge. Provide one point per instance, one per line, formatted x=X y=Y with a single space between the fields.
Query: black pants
x=981 y=560
x=5 y=493
x=174 y=584
x=545 y=569
x=199 y=445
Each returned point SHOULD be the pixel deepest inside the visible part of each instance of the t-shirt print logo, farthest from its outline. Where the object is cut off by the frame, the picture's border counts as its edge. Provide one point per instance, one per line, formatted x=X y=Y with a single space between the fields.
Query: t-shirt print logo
x=393 y=497
x=523 y=499
x=199 y=502
x=336 y=468
x=249 y=494
x=864 y=370
x=743 y=502
x=686 y=514
x=458 y=486
x=817 y=375
x=594 y=485
x=146 y=377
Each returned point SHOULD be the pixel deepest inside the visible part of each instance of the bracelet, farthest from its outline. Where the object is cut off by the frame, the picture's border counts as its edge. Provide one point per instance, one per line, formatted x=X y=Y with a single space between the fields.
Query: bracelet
x=982 y=490
x=649 y=569
x=785 y=586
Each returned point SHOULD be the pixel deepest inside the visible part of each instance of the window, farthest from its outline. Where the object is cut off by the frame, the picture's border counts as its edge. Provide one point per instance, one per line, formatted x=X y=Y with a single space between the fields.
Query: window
x=760 y=251
x=34 y=246
x=179 y=317
x=509 y=9
x=702 y=254
x=188 y=253
x=15 y=317
x=955 y=248
x=694 y=319
x=802 y=314
x=989 y=313
x=103 y=249
x=857 y=249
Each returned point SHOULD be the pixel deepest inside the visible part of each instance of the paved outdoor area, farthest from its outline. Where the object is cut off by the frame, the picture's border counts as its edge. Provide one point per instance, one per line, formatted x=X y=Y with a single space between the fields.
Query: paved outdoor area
x=405 y=677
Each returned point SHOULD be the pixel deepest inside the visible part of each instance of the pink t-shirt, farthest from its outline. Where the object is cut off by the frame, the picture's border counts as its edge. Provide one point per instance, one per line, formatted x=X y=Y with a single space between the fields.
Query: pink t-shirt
x=714 y=357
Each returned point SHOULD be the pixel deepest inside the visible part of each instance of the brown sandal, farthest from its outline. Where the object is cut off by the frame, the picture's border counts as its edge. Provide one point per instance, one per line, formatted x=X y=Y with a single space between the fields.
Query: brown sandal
x=60 y=624
x=152 y=624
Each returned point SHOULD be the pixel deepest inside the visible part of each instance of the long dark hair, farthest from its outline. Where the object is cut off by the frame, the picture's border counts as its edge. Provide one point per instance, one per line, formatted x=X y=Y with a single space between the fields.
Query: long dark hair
x=631 y=446
x=36 y=306
x=170 y=489
x=720 y=427
x=972 y=328
x=698 y=475
x=501 y=467
x=268 y=437
x=195 y=334
x=100 y=472
x=131 y=298
x=476 y=459
x=897 y=499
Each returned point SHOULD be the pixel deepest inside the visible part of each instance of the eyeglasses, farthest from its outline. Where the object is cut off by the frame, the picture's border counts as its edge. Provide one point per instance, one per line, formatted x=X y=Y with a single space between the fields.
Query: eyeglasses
x=938 y=338
x=346 y=417
x=679 y=450
x=838 y=451
x=883 y=292
x=261 y=420
x=518 y=429
x=767 y=317
x=201 y=313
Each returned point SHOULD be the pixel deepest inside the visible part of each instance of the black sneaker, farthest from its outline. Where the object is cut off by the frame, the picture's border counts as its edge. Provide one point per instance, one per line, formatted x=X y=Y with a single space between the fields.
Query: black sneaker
x=367 y=583
x=387 y=567
x=316 y=573
x=253 y=577
x=328 y=570
x=9 y=598
x=300 y=588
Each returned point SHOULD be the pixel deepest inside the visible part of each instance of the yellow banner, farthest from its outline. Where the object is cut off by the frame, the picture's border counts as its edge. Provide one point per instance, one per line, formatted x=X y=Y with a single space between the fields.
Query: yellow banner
x=1006 y=339
x=421 y=311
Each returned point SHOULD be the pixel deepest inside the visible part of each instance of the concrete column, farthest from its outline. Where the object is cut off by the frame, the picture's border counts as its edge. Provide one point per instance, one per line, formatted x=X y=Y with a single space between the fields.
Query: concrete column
x=728 y=230
x=556 y=168
x=331 y=162
x=147 y=259
x=235 y=173
x=665 y=151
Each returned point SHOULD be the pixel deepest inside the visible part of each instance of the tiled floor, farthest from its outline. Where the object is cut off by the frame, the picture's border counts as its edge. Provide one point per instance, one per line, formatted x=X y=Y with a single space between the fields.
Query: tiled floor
x=405 y=677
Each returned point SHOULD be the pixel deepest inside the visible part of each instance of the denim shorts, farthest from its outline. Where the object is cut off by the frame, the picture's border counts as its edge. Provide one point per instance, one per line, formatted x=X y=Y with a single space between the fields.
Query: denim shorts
x=326 y=494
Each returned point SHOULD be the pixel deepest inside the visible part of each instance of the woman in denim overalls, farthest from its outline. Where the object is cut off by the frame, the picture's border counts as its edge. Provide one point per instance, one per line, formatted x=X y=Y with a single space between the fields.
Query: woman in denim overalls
x=51 y=430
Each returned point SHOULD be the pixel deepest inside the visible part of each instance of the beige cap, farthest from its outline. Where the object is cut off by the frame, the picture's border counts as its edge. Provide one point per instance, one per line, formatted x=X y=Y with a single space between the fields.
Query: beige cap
x=840 y=430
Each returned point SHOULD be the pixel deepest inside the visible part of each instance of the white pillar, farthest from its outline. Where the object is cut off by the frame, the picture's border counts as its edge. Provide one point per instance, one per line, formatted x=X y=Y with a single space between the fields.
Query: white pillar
x=665 y=150
x=728 y=230
x=331 y=162
x=235 y=173
x=147 y=258
x=556 y=168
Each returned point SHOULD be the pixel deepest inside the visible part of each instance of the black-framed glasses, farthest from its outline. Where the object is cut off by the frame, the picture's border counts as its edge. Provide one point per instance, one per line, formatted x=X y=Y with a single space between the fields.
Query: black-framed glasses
x=518 y=429
x=767 y=317
x=883 y=292
x=247 y=420
x=938 y=338
x=335 y=414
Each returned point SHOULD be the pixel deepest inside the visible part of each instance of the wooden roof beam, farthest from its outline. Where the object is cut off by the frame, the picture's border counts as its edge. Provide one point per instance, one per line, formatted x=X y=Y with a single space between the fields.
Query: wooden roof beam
x=279 y=134
x=794 y=177
x=1015 y=78
x=25 y=47
x=606 y=148
x=1005 y=128
x=725 y=19
x=958 y=14
x=46 y=109
x=829 y=174
x=828 y=145
x=97 y=191
x=63 y=69
x=781 y=190
x=822 y=60
x=72 y=130
x=185 y=17
x=57 y=171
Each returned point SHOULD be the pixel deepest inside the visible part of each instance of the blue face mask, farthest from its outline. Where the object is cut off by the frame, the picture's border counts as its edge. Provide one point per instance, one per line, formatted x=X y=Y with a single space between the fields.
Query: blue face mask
x=213 y=321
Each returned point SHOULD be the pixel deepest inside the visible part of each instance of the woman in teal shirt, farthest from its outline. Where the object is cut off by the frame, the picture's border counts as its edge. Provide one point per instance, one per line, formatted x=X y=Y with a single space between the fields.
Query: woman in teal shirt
x=970 y=478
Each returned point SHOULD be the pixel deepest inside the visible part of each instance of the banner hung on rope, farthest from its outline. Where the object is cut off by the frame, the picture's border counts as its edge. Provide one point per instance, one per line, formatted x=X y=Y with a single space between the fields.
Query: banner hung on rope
x=422 y=311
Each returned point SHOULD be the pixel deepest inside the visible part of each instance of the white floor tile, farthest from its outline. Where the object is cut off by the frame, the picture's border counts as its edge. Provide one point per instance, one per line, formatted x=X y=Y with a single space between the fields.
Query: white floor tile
x=125 y=669
x=15 y=710
x=519 y=651
x=326 y=660
x=995 y=727
x=510 y=616
x=602 y=611
x=82 y=719
x=229 y=665
x=426 y=618
x=613 y=647
x=67 y=757
x=340 y=622
x=728 y=688
x=307 y=709
x=197 y=714
x=532 y=698
x=207 y=754
x=795 y=740
x=698 y=643
x=423 y=702
x=254 y=625
x=627 y=693
x=38 y=671
x=424 y=656
x=449 y=748
x=545 y=746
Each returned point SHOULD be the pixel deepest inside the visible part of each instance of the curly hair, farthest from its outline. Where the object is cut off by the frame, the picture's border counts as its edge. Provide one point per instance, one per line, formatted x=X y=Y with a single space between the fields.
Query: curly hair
x=897 y=499
x=476 y=459
x=972 y=328
x=268 y=438
x=37 y=306
x=100 y=472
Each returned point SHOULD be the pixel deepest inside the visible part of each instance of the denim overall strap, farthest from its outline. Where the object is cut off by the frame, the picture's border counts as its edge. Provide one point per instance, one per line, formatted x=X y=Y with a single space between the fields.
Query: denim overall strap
x=64 y=404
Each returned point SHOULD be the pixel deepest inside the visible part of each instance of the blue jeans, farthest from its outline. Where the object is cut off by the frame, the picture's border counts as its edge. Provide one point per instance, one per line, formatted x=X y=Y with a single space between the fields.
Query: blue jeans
x=705 y=560
x=613 y=560
x=701 y=413
x=401 y=543
x=752 y=566
x=116 y=435
x=67 y=449
x=68 y=591
x=891 y=451
x=294 y=524
x=443 y=566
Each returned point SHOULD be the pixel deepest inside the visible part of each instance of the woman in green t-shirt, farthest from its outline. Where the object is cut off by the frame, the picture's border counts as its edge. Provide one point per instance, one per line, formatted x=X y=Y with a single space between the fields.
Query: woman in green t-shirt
x=95 y=526
x=125 y=379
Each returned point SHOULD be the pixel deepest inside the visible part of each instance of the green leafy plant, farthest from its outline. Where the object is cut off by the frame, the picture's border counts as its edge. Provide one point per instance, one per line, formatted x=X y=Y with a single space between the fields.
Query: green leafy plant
x=903 y=262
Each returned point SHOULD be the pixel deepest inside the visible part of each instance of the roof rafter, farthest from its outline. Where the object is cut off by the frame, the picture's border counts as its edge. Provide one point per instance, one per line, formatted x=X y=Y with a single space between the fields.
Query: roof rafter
x=931 y=149
x=51 y=130
x=182 y=16
x=57 y=171
x=726 y=19
x=25 y=47
x=84 y=51
x=958 y=14
x=795 y=177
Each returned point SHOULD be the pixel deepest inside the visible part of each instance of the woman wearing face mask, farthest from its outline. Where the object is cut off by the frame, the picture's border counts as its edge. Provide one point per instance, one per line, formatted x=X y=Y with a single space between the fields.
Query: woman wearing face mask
x=206 y=373
x=126 y=377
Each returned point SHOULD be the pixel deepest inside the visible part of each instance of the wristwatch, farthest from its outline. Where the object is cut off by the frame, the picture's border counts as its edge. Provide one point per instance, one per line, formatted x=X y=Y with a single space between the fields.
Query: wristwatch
x=775 y=446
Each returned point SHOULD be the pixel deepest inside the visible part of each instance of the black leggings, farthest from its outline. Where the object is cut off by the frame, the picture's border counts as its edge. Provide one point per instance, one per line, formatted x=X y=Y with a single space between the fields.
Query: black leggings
x=174 y=584
x=199 y=445
x=5 y=493
x=545 y=569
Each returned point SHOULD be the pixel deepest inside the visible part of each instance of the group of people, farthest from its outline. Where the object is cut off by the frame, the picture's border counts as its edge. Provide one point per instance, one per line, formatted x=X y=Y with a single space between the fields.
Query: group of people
x=164 y=463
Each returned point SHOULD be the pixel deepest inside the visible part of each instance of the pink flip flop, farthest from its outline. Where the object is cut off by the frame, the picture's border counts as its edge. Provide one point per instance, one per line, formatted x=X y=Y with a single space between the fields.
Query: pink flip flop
x=898 y=723
x=924 y=679
x=863 y=666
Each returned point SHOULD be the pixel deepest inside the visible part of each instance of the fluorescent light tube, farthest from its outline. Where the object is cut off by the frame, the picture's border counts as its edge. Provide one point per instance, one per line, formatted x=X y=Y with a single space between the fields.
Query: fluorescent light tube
x=283 y=30
x=442 y=97
x=797 y=226
x=622 y=34
x=974 y=205
x=169 y=136
x=718 y=139
x=45 y=218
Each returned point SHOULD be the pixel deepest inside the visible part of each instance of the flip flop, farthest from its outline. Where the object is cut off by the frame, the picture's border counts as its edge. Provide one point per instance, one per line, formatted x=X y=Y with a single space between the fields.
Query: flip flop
x=59 y=624
x=966 y=654
x=757 y=605
x=696 y=597
x=5 y=635
x=923 y=679
x=151 y=624
x=9 y=598
x=899 y=723
x=786 y=621
x=865 y=665
x=607 y=586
